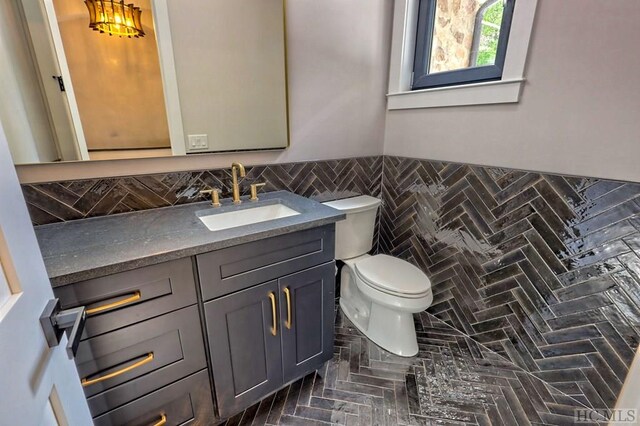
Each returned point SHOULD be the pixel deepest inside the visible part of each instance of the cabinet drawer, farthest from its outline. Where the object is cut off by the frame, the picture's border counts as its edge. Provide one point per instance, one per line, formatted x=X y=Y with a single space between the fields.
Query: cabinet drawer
x=235 y=268
x=118 y=300
x=125 y=364
x=186 y=402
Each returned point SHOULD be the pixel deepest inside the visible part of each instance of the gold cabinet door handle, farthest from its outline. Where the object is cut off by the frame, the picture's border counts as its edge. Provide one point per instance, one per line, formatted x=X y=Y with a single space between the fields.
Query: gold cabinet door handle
x=287 y=294
x=134 y=297
x=274 y=326
x=87 y=382
x=162 y=421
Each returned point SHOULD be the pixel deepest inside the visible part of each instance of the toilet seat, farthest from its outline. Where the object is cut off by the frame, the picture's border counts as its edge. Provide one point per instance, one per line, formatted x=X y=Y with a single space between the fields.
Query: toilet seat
x=393 y=276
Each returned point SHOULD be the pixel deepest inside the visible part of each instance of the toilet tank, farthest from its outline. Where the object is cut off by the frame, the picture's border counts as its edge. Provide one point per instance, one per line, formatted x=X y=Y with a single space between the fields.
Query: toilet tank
x=354 y=235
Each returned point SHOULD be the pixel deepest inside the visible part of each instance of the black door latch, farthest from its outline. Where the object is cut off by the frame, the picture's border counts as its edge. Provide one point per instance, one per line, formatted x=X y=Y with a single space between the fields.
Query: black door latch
x=60 y=81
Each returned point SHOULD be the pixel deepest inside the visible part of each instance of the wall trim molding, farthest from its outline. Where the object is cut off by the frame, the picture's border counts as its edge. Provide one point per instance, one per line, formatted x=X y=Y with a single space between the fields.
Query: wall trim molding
x=73 y=170
x=491 y=92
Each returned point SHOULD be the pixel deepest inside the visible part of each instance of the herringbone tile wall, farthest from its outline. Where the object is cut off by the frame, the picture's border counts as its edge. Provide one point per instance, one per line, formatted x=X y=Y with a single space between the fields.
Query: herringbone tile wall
x=321 y=180
x=543 y=269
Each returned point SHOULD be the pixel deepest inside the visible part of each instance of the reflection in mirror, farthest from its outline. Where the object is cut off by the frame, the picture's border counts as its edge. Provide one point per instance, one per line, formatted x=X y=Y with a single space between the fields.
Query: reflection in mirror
x=230 y=62
x=116 y=80
x=163 y=77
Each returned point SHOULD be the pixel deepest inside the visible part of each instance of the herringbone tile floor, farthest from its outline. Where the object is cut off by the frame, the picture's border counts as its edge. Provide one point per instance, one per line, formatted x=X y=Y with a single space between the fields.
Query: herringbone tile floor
x=453 y=380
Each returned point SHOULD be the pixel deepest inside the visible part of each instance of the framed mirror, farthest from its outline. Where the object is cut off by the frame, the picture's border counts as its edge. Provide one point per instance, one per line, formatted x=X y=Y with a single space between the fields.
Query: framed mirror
x=155 y=78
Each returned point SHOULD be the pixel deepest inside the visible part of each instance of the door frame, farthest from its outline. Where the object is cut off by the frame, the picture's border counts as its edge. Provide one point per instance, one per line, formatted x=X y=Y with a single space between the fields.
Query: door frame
x=46 y=42
x=164 y=41
x=628 y=404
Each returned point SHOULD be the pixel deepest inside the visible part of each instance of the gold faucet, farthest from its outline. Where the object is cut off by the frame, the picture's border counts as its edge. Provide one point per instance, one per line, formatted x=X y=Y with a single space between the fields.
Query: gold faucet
x=215 y=196
x=254 y=190
x=236 y=188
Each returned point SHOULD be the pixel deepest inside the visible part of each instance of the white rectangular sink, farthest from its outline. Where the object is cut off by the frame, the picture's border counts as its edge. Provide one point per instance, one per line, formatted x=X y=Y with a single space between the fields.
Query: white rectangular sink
x=247 y=216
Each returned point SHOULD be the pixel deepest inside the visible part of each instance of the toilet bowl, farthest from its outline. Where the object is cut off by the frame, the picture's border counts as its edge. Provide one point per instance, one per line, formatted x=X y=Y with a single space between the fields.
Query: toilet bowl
x=378 y=293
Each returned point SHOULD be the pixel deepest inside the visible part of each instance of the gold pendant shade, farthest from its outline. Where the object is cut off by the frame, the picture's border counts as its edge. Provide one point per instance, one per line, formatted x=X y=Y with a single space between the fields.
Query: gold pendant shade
x=115 y=18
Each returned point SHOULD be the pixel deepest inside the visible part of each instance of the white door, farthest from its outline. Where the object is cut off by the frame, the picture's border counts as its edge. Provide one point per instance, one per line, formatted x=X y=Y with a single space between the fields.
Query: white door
x=42 y=25
x=39 y=386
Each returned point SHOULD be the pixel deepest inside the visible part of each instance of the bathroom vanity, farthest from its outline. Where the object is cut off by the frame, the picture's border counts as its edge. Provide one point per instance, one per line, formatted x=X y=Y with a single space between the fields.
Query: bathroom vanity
x=187 y=325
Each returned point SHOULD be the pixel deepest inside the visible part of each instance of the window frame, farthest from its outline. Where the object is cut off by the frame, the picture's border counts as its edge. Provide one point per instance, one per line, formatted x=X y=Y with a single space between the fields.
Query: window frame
x=423 y=79
x=507 y=90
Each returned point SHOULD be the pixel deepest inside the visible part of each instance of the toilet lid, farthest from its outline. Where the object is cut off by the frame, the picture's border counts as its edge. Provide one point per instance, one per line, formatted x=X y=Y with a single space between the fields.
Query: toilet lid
x=393 y=275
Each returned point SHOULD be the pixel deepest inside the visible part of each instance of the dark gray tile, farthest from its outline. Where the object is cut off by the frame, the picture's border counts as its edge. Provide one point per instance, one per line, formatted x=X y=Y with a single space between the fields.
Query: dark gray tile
x=560 y=258
x=324 y=180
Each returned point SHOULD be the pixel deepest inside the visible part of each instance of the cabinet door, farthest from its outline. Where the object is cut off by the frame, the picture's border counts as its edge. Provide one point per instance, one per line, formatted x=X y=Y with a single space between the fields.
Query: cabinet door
x=307 y=313
x=244 y=338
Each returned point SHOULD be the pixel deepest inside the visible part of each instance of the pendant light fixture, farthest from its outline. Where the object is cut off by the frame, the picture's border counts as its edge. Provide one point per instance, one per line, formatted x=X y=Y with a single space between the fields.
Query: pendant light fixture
x=115 y=18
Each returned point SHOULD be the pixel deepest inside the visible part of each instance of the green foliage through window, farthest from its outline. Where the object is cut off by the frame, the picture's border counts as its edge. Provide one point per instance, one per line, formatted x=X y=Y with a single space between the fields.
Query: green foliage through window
x=490 y=33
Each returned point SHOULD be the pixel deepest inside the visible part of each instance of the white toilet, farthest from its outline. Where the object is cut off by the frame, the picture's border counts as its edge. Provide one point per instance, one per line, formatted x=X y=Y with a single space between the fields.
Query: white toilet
x=380 y=293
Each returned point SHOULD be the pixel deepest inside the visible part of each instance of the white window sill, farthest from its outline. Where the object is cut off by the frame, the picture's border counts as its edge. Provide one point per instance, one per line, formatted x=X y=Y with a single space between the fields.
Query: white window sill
x=492 y=92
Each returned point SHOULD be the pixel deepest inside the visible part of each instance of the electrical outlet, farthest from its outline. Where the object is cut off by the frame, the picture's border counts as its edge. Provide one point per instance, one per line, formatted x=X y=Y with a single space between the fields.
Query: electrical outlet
x=197 y=142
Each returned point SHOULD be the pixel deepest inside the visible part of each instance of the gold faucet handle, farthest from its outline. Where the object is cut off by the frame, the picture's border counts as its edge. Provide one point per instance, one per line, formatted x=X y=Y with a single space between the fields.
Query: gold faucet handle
x=254 y=190
x=215 y=196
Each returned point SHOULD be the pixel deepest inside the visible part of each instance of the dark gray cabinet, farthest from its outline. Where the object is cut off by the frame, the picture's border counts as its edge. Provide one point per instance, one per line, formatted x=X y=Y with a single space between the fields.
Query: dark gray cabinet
x=244 y=338
x=268 y=308
x=307 y=308
x=266 y=336
x=142 y=337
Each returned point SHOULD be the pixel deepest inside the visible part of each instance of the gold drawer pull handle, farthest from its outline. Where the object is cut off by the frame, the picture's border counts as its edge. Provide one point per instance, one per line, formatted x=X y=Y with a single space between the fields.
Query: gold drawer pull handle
x=287 y=293
x=135 y=296
x=274 y=327
x=86 y=382
x=162 y=421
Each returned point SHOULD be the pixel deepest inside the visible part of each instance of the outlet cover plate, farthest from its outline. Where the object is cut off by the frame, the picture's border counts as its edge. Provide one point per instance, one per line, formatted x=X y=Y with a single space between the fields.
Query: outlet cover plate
x=197 y=142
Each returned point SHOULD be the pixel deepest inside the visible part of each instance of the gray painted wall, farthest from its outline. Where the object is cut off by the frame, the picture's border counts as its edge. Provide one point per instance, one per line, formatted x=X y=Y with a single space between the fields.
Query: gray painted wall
x=579 y=112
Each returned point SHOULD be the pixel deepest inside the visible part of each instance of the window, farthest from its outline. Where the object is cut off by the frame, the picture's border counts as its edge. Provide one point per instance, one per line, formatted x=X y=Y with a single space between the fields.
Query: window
x=487 y=69
x=460 y=42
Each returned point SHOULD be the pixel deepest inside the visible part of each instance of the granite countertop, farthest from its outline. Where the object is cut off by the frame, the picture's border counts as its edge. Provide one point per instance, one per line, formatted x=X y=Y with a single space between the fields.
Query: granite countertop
x=90 y=248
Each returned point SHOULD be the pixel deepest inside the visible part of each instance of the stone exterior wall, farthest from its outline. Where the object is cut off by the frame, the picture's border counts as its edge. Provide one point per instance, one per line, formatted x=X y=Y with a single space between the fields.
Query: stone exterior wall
x=453 y=35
